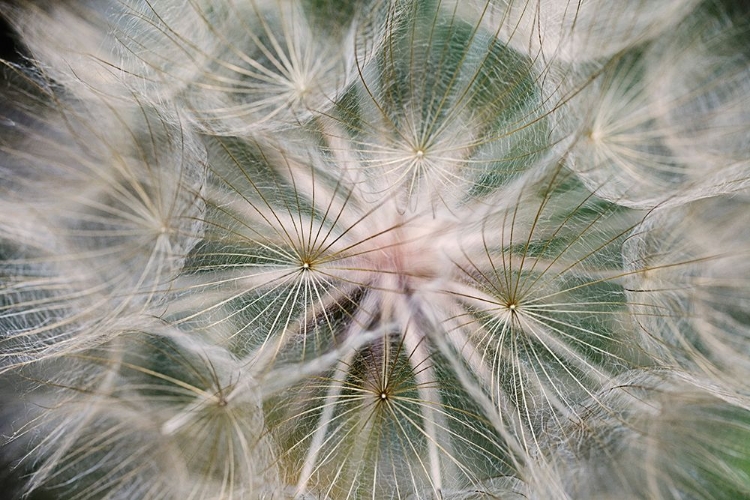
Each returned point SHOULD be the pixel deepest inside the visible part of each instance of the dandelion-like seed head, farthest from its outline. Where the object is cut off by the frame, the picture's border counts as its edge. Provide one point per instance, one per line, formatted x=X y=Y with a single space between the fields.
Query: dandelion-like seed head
x=376 y=249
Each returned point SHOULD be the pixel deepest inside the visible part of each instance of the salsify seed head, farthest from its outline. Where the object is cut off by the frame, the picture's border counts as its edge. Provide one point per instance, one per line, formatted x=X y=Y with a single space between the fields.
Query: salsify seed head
x=267 y=249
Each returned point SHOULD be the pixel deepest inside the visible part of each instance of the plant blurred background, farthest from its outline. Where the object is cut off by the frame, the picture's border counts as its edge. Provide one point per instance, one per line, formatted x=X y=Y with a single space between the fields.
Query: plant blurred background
x=375 y=249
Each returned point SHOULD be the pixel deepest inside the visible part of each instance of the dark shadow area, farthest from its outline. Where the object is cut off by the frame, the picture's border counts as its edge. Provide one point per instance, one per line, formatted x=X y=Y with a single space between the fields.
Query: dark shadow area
x=11 y=49
x=8 y=44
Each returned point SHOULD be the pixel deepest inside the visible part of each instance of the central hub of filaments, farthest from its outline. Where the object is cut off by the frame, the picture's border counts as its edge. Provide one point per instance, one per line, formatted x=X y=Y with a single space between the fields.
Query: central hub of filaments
x=411 y=251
